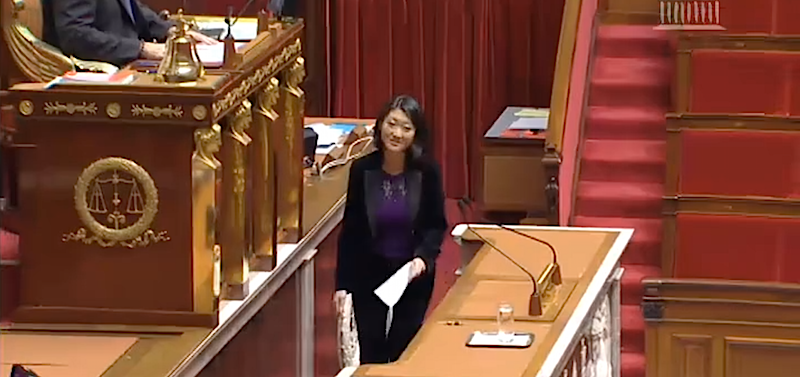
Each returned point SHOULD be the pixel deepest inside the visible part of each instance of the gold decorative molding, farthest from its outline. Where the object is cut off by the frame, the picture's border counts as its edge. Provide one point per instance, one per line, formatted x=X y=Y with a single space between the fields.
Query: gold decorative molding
x=56 y=108
x=258 y=77
x=156 y=111
x=113 y=110
x=26 y=107
x=105 y=213
x=199 y=112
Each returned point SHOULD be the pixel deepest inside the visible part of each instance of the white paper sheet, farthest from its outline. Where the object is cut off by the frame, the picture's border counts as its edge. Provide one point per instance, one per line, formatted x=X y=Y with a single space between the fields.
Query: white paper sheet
x=213 y=56
x=393 y=288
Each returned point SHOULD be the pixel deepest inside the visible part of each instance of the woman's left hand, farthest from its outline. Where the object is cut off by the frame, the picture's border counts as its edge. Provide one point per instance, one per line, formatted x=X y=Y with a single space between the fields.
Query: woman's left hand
x=417 y=268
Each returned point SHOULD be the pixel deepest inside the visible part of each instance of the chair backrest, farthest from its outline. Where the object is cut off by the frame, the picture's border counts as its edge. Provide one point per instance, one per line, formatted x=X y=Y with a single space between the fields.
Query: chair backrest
x=23 y=23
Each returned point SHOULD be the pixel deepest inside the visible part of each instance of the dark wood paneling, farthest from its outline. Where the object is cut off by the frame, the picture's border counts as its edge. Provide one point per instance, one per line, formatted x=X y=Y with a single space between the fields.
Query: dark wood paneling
x=326 y=362
x=267 y=345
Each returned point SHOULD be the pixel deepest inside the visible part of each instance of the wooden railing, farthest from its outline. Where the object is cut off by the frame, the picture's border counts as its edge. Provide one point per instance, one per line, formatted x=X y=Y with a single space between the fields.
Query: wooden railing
x=567 y=104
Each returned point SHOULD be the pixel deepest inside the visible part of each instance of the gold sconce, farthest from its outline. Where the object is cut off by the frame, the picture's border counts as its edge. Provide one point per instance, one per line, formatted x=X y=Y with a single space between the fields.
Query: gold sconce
x=181 y=61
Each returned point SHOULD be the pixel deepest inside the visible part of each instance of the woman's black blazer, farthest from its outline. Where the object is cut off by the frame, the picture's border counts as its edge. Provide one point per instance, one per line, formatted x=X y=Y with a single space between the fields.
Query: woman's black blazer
x=357 y=238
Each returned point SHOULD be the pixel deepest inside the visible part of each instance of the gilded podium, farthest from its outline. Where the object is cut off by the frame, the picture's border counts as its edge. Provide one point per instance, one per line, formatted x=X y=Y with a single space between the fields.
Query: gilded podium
x=146 y=203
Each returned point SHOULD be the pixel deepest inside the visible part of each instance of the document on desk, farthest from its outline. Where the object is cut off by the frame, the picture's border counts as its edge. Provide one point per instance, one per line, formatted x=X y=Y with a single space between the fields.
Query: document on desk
x=213 y=56
x=392 y=289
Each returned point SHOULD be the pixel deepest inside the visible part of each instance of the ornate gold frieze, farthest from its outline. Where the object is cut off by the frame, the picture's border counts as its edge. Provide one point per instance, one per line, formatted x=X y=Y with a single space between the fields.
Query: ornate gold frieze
x=113 y=110
x=157 y=112
x=26 y=107
x=117 y=201
x=199 y=112
x=257 y=78
x=56 y=108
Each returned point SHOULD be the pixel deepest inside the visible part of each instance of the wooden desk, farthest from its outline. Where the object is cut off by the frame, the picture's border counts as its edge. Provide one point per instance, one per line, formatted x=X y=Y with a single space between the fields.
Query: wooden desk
x=581 y=313
x=512 y=179
x=269 y=315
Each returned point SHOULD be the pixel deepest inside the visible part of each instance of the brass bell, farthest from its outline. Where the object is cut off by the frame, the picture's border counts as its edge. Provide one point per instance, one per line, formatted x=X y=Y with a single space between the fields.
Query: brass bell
x=181 y=61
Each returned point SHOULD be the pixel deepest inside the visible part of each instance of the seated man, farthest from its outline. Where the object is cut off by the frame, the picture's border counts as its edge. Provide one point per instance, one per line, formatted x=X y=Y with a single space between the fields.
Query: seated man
x=113 y=31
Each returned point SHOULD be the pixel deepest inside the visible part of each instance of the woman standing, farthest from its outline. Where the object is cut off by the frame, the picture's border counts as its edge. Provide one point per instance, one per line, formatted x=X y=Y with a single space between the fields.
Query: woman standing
x=394 y=214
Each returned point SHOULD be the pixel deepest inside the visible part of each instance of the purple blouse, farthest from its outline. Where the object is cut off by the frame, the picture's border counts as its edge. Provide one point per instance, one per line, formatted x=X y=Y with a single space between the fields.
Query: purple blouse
x=393 y=219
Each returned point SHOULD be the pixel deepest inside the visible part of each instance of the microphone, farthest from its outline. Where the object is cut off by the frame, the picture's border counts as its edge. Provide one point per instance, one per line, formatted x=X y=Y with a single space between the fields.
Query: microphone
x=535 y=302
x=555 y=270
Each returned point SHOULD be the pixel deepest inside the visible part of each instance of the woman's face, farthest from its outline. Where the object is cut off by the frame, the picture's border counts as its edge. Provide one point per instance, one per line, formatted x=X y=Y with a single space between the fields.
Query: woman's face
x=397 y=131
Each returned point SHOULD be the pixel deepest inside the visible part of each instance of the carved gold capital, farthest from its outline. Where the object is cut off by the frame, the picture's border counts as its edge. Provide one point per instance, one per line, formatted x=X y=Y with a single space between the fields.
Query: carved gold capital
x=268 y=98
x=207 y=142
x=240 y=121
x=294 y=76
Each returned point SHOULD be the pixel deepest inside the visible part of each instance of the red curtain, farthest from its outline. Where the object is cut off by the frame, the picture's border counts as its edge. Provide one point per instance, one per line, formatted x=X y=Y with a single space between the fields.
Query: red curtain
x=465 y=60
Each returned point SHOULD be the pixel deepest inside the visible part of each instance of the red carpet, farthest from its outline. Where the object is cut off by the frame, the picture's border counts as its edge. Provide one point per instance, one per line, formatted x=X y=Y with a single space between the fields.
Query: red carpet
x=623 y=159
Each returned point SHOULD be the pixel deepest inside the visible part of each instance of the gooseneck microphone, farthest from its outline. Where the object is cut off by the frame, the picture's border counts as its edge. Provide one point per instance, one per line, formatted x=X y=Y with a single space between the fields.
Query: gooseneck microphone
x=535 y=302
x=556 y=270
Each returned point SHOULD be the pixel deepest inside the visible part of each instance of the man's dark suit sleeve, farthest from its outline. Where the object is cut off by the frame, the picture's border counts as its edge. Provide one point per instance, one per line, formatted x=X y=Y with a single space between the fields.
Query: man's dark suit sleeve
x=77 y=37
x=158 y=27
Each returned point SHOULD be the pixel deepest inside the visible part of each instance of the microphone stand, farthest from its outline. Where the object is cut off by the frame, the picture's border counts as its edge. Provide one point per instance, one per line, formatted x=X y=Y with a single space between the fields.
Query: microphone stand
x=535 y=302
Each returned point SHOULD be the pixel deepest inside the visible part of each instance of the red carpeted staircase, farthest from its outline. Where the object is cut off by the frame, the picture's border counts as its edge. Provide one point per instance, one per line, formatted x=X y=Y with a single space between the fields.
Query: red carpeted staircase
x=623 y=158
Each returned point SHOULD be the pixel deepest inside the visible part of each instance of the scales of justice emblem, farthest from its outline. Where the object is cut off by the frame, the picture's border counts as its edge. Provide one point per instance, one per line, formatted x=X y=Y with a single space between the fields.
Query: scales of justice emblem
x=117 y=201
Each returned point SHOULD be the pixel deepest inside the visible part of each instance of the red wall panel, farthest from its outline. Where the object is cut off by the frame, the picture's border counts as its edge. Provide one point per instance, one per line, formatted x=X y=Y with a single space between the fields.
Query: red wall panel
x=740 y=163
x=737 y=248
x=741 y=81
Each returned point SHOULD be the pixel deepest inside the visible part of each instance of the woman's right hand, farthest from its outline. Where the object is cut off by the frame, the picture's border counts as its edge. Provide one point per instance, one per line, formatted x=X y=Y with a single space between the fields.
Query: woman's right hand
x=338 y=300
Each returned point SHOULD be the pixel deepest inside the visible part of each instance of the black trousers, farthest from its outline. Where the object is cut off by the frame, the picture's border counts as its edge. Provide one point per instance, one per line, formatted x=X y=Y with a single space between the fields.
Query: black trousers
x=371 y=314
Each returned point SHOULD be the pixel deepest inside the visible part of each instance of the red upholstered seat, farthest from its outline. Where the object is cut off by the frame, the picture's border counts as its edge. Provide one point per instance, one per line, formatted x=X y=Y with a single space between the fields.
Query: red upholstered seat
x=9 y=245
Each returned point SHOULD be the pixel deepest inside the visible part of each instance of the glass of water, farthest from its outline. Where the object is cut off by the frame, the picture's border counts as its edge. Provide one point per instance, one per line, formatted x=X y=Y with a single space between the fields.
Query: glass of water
x=505 y=322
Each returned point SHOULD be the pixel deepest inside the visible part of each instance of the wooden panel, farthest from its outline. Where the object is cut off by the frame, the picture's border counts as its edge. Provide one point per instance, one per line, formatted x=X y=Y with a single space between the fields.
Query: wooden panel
x=326 y=361
x=642 y=12
x=717 y=328
x=693 y=355
x=513 y=178
x=756 y=358
x=267 y=345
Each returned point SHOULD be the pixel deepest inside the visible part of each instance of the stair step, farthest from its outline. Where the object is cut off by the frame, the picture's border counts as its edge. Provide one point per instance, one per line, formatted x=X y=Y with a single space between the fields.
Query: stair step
x=632 y=289
x=626 y=82
x=645 y=246
x=648 y=123
x=634 y=364
x=633 y=41
x=624 y=160
x=633 y=328
x=630 y=71
x=619 y=199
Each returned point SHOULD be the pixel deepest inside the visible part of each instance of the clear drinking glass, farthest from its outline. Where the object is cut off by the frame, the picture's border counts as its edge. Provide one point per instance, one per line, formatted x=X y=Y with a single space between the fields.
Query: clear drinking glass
x=505 y=322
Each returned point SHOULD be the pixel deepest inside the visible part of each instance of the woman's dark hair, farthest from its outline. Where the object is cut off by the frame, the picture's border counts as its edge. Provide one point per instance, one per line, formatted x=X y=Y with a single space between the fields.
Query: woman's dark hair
x=413 y=111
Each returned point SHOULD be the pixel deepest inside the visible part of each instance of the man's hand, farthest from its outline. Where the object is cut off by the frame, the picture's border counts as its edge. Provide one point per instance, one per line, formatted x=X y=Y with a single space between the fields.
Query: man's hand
x=152 y=51
x=417 y=268
x=202 y=38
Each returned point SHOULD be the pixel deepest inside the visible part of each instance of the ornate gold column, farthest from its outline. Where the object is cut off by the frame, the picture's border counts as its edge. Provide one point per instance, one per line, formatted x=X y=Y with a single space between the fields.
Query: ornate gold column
x=235 y=254
x=290 y=185
x=264 y=182
x=207 y=142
